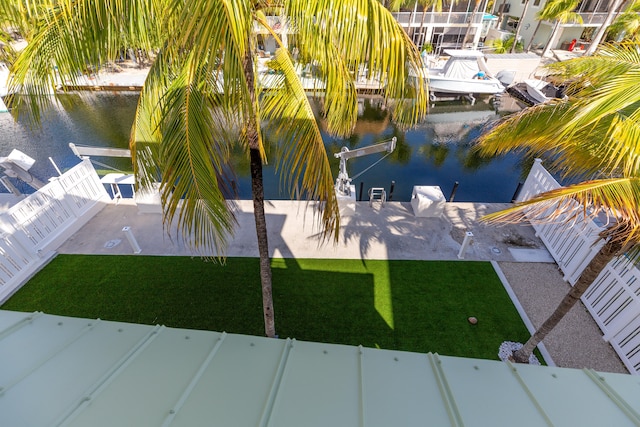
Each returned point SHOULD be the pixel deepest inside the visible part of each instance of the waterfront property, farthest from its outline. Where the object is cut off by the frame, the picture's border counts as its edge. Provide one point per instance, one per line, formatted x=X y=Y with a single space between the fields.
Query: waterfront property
x=457 y=21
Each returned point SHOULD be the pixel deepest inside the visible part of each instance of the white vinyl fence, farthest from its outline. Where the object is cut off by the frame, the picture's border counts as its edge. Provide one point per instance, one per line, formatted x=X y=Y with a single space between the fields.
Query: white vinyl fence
x=614 y=298
x=32 y=229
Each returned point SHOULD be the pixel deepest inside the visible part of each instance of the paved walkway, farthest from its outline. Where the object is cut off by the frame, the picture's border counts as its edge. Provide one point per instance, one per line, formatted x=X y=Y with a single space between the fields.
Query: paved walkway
x=389 y=232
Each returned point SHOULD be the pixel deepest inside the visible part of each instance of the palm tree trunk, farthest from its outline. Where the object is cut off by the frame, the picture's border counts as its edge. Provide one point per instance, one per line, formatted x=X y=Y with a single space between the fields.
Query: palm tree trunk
x=547 y=47
x=533 y=35
x=473 y=17
x=614 y=6
x=517 y=34
x=257 y=190
x=588 y=276
x=424 y=14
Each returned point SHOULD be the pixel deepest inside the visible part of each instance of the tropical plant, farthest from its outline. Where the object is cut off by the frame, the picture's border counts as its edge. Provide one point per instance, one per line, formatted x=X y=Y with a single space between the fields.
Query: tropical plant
x=592 y=138
x=426 y=4
x=504 y=45
x=203 y=96
x=467 y=34
x=613 y=9
x=559 y=11
x=520 y=21
x=562 y=12
x=627 y=24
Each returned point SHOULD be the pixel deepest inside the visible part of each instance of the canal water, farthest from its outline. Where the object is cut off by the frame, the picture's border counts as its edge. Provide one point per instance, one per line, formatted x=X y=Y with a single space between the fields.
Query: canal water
x=436 y=152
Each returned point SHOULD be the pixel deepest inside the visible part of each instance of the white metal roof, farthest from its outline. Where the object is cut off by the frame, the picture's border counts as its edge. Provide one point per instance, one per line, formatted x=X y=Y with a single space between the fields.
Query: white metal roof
x=77 y=372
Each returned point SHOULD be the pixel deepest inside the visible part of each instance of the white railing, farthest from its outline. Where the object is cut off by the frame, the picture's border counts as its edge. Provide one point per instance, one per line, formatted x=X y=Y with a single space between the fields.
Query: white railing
x=614 y=297
x=412 y=20
x=32 y=229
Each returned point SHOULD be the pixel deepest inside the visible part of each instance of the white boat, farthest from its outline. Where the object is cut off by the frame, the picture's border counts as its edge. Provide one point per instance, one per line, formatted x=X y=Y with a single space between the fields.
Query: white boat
x=464 y=73
x=541 y=91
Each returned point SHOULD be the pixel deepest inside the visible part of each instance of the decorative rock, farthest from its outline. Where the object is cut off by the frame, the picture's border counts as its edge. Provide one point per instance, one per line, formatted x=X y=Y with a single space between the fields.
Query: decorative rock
x=472 y=320
x=508 y=347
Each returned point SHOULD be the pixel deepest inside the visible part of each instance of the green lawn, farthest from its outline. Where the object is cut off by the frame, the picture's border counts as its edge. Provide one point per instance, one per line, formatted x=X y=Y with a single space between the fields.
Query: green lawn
x=419 y=306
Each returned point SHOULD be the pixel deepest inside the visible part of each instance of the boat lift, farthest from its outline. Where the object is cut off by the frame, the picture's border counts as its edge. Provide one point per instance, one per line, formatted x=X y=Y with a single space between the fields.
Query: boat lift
x=345 y=191
x=17 y=165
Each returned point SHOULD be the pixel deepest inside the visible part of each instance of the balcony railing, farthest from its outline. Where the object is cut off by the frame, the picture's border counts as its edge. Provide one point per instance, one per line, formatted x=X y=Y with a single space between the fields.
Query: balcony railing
x=462 y=18
x=593 y=17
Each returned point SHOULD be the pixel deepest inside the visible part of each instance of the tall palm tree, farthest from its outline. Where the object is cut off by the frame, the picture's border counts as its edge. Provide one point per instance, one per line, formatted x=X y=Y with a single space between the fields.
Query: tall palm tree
x=563 y=14
x=593 y=137
x=560 y=11
x=613 y=9
x=426 y=4
x=474 y=13
x=203 y=96
x=627 y=24
x=517 y=34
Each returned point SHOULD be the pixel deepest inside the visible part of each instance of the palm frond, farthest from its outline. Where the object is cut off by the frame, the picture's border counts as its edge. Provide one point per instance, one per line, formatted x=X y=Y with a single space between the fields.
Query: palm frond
x=289 y=116
x=327 y=34
x=614 y=202
x=594 y=131
x=193 y=162
x=73 y=37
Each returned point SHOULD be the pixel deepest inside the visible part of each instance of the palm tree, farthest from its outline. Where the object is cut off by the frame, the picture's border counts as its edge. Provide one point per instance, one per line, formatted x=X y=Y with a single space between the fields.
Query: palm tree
x=627 y=24
x=203 y=96
x=563 y=15
x=560 y=11
x=426 y=4
x=467 y=34
x=613 y=9
x=592 y=137
x=504 y=46
x=517 y=34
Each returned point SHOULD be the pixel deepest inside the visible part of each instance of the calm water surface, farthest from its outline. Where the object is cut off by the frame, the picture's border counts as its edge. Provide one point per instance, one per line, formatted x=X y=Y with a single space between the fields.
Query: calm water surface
x=437 y=152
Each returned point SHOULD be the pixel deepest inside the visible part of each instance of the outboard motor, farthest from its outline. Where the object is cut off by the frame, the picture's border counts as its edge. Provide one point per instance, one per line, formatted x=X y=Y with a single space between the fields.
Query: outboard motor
x=506 y=77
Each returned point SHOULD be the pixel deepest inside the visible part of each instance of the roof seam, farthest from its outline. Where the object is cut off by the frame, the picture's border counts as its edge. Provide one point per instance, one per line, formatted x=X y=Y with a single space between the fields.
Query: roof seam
x=445 y=391
x=265 y=418
x=613 y=396
x=50 y=355
x=19 y=324
x=361 y=384
x=194 y=381
x=108 y=377
x=527 y=390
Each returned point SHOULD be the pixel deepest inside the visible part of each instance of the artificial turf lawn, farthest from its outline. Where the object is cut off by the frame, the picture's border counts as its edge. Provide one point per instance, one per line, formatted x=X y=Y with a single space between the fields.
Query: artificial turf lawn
x=419 y=306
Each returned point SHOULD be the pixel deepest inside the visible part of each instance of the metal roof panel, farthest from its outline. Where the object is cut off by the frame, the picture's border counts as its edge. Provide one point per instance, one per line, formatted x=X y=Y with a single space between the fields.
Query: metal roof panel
x=59 y=370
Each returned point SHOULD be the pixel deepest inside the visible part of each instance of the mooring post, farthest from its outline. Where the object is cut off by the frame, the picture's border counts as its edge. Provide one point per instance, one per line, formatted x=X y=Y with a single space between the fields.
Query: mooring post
x=132 y=240
x=453 y=192
x=393 y=184
x=465 y=243
x=517 y=192
x=361 y=190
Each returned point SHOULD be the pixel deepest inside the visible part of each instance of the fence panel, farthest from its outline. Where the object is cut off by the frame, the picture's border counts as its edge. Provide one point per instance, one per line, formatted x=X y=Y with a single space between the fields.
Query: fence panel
x=36 y=225
x=46 y=214
x=572 y=244
x=614 y=297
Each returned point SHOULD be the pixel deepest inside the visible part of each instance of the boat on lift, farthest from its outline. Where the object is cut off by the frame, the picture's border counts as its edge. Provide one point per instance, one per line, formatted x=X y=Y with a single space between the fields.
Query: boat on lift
x=464 y=73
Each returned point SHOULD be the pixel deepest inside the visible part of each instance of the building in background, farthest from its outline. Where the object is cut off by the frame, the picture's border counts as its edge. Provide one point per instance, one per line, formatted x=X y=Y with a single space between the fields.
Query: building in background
x=457 y=21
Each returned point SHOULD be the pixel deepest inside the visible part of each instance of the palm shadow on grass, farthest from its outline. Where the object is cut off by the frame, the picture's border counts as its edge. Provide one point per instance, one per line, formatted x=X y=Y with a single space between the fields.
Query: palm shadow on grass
x=419 y=306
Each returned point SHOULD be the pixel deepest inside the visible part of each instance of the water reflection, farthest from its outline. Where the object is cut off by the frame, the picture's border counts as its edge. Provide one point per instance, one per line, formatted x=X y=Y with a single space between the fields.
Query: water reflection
x=437 y=152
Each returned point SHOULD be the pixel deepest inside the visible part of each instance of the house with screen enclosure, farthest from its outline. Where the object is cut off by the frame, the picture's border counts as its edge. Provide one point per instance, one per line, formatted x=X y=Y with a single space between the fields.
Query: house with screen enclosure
x=458 y=26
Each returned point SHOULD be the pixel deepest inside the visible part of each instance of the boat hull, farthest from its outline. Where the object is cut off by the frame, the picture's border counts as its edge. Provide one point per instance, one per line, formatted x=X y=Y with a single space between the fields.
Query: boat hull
x=489 y=86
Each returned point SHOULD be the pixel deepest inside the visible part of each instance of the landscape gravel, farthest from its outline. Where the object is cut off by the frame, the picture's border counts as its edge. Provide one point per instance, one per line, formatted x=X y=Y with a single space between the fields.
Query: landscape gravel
x=577 y=340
